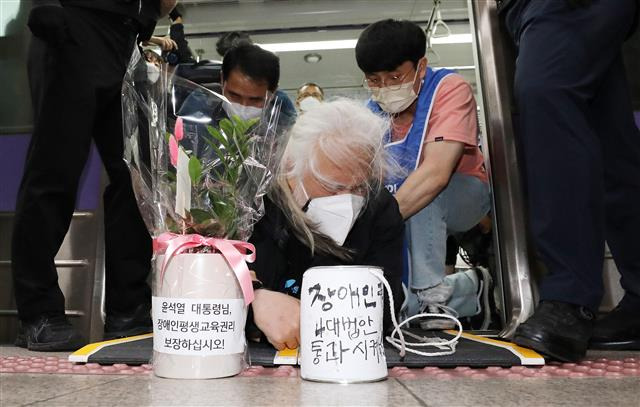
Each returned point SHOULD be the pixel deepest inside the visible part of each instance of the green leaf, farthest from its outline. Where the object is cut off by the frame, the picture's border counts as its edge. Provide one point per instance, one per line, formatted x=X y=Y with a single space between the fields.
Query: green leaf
x=195 y=170
x=171 y=176
x=251 y=122
x=228 y=129
x=239 y=124
x=200 y=216
x=218 y=136
x=243 y=125
x=222 y=157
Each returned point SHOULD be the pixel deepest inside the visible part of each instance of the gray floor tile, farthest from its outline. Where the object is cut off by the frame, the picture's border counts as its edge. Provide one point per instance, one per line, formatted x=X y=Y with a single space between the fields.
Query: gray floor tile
x=20 y=389
x=78 y=390
x=620 y=392
x=257 y=391
x=10 y=350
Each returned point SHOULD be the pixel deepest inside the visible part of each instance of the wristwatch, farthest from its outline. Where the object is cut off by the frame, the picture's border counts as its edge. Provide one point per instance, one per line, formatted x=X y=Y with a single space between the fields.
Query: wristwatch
x=257 y=284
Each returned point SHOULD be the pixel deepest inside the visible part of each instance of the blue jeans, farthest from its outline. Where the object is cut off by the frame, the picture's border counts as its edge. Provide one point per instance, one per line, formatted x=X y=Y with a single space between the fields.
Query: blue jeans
x=458 y=208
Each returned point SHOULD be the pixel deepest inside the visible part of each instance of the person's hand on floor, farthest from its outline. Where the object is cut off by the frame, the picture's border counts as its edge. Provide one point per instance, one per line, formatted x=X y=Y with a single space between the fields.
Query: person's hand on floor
x=277 y=315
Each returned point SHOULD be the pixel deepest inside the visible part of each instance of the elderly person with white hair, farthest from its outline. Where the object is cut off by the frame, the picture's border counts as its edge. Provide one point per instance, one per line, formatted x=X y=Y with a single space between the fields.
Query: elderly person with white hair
x=328 y=207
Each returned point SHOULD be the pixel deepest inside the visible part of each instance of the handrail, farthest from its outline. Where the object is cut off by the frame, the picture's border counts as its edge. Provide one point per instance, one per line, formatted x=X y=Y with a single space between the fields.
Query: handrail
x=508 y=198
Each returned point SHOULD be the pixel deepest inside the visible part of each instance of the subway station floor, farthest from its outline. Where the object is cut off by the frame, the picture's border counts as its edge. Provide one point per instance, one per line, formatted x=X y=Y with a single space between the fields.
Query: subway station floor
x=144 y=389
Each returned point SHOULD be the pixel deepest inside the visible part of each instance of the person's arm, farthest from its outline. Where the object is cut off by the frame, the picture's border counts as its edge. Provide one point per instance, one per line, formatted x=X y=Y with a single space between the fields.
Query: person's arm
x=430 y=178
x=453 y=125
x=275 y=314
x=386 y=251
x=165 y=43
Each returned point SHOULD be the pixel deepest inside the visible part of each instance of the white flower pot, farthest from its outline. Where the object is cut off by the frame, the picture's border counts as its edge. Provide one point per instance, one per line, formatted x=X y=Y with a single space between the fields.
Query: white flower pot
x=194 y=287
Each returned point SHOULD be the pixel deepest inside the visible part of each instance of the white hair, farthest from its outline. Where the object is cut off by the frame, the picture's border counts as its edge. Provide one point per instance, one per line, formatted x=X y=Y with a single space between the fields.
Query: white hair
x=351 y=137
x=343 y=131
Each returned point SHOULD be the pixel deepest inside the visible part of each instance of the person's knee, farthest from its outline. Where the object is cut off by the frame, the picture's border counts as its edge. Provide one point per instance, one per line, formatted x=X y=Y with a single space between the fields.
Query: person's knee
x=529 y=90
x=435 y=211
x=533 y=85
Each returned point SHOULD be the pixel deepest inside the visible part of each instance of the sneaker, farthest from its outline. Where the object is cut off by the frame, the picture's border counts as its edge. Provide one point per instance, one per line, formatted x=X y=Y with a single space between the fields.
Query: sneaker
x=485 y=301
x=557 y=330
x=123 y=325
x=432 y=301
x=618 y=330
x=435 y=322
x=49 y=334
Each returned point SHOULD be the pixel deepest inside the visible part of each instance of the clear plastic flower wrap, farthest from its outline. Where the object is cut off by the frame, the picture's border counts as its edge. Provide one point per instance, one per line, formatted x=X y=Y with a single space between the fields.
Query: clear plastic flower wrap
x=199 y=177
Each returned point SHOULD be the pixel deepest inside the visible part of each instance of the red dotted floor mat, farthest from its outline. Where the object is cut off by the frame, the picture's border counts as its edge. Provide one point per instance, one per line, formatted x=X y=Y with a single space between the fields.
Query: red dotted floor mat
x=601 y=367
x=55 y=365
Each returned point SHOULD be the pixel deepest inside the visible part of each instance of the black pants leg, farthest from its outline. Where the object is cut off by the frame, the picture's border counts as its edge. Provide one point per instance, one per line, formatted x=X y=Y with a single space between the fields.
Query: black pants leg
x=564 y=58
x=57 y=154
x=127 y=241
x=614 y=123
x=75 y=81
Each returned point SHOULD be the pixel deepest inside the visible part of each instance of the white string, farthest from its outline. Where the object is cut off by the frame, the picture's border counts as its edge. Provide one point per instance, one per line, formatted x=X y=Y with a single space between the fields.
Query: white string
x=401 y=344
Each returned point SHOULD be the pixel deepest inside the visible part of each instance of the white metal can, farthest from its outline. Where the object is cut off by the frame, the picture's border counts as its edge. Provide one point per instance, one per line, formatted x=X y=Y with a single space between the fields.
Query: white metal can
x=341 y=325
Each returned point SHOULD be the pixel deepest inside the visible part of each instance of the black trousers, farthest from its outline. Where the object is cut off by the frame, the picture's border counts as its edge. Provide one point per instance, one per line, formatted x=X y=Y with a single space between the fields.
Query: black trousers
x=76 y=65
x=580 y=143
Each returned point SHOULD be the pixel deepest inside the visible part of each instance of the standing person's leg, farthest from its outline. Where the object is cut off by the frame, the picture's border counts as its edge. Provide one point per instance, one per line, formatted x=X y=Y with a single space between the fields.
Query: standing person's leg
x=127 y=241
x=563 y=55
x=64 y=103
x=613 y=119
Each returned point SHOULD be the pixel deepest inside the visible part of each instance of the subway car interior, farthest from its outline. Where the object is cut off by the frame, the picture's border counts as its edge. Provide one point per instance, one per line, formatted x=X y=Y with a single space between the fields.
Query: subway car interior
x=213 y=158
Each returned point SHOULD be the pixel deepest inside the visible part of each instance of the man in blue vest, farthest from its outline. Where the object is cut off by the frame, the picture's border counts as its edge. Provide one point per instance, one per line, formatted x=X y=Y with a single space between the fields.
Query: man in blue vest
x=434 y=138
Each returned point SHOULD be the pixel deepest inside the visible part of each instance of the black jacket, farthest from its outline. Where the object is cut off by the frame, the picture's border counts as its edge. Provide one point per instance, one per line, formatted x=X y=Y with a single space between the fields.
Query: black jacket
x=145 y=12
x=376 y=239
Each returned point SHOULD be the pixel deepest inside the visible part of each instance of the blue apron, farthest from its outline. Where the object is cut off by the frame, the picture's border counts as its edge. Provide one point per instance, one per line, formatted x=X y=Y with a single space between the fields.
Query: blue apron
x=406 y=152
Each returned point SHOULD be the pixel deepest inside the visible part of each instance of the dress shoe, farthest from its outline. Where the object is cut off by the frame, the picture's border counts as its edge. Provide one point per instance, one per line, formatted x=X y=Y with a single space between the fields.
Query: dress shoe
x=49 y=334
x=618 y=330
x=557 y=330
x=123 y=325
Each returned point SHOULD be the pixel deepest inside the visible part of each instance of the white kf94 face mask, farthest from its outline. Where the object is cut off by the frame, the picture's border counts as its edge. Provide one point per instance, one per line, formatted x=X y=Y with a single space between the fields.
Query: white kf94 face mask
x=335 y=215
x=396 y=100
x=309 y=103
x=153 y=73
x=242 y=111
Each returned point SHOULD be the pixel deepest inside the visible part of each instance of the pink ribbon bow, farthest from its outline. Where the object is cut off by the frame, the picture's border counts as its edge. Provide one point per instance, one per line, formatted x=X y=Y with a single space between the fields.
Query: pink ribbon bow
x=233 y=251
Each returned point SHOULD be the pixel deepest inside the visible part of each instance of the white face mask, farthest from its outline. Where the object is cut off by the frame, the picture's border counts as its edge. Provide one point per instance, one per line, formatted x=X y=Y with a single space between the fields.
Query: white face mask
x=396 y=100
x=308 y=103
x=335 y=215
x=242 y=111
x=153 y=73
